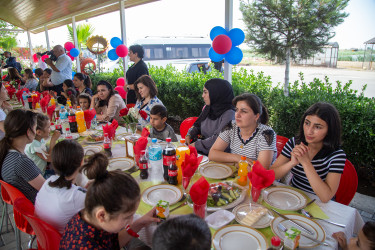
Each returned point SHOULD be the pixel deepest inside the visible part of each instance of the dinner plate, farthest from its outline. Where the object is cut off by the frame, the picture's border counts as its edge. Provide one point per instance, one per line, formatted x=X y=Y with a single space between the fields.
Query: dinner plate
x=242 y=210
x=92 y=149
x=87 y=141
x=284 y=198
x=215 y=170
x=120 y=163
x=205 y=158
x=75 y=136
x=238 y=237
x=164 y=192
x=315 y=228
x=121 y=137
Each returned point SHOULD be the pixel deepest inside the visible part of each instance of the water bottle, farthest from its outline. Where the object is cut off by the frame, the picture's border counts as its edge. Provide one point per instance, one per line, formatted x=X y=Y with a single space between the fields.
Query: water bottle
x=24 y=98
x=64 y=118
x=94 y=123
x=107 y=145
x=68 y=135
x=156 y=162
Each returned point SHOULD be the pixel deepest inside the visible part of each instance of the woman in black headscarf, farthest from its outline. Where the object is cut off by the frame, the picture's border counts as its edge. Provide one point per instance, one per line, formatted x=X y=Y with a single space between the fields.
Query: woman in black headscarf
x=217 y=95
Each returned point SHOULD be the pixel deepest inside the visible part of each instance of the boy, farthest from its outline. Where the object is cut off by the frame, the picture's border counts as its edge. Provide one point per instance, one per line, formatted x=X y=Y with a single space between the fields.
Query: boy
x=160 y=129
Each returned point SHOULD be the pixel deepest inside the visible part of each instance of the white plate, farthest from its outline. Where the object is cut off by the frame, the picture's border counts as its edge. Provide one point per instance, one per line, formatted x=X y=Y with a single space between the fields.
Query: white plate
x=238 y=237
x=204 y=160
x=284 y=198
x=318 y=231
x=120 y=163
x=87 y=141
x=242 y=210
x=75 y=136
x=92 y=149
x=215 y=170
x=164 y=192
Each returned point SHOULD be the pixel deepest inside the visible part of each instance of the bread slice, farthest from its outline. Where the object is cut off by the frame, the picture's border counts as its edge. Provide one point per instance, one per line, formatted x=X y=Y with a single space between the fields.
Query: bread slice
x=254 y=215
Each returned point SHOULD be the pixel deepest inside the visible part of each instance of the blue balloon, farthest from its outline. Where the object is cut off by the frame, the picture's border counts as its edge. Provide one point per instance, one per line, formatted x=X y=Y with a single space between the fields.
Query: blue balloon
x=115 y=41
x=74 y=52
x=73 y=74
x=234 y=56
x=217 y=30
x=237 y=36
x=215 y=57
x=112 y=55
x=33 y=70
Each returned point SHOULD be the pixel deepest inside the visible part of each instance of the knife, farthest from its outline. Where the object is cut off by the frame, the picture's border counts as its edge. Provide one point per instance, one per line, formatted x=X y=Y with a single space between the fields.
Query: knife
x=284 y=229
x=293 y=222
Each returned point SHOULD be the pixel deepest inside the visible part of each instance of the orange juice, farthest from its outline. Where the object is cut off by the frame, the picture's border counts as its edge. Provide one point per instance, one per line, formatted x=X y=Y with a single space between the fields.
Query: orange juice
x=242 y=171
x=52 y=101
x=80 y=118
x=180 y=158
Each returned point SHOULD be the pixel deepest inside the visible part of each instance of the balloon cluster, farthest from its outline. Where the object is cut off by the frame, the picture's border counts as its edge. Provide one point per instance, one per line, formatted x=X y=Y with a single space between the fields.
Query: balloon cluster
x=120 y=87
x=35 y=58
x=224 y=45
x=119 y=49
x=72 y=50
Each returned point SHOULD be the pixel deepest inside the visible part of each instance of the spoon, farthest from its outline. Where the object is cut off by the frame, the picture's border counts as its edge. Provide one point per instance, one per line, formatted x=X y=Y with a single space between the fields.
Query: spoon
x=307 y=214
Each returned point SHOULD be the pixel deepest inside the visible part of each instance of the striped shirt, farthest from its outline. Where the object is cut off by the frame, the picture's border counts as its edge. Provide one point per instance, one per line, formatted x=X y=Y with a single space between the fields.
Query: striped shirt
x=324 y=162
x=18 y=170
x=264 y=138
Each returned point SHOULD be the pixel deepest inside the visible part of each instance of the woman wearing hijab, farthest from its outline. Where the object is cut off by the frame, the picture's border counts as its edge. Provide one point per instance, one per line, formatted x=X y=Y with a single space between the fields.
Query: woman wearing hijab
x=217 y=95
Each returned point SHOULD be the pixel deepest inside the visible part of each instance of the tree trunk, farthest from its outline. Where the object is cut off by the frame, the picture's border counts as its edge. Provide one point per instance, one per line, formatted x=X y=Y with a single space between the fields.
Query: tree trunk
x=287 y=64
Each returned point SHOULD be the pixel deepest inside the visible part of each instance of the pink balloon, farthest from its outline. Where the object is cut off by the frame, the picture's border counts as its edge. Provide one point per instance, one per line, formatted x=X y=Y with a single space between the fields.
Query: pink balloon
x=121 y=91
x=68 y=46
x=72 y=58
x=44 y=57
x=222 y=44
x=122 y=50
x=35 y=58
x=120 y=81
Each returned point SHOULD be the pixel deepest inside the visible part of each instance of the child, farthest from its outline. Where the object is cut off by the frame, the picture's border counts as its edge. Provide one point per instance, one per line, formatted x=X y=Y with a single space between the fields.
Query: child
x=37 y=150
x=70 y=92
x=106 y=221
x=364 y=241
x=59 y=199
x=183 y=232
x=84 y=100
x=160 y=129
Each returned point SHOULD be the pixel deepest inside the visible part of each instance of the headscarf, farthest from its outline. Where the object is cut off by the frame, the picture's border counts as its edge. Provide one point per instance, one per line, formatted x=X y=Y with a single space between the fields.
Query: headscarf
x=221 y=96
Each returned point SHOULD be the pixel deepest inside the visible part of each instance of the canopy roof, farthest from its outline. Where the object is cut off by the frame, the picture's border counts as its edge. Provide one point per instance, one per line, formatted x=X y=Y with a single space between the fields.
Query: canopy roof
x=33 y=15
x=371 y=41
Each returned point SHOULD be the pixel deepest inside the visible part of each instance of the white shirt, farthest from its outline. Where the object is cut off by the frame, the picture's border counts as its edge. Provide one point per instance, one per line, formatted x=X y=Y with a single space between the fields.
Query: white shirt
x=42 y=64
x=57 y=206
x=64 y=64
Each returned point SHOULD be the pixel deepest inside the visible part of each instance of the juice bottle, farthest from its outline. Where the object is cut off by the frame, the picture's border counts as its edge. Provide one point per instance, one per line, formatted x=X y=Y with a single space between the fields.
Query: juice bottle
x=242 y=171
x=80 y=118
x=181 y=150
x=52 y=101
x=68 y=103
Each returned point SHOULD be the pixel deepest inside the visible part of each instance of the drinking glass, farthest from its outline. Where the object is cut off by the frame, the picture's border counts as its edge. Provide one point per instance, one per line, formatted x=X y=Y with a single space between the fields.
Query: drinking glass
x=200 y=210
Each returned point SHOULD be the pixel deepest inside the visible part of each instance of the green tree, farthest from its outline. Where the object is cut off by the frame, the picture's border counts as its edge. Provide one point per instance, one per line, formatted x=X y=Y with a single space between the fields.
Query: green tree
x=285 y=29
x=84 y=31
x=7 y=38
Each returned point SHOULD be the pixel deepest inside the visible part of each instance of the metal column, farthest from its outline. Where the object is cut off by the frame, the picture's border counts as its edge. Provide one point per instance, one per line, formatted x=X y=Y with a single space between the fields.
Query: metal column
x=47 y=37
x=228 y=27
x=123 y=34
x=76 y=42
x=31 y=50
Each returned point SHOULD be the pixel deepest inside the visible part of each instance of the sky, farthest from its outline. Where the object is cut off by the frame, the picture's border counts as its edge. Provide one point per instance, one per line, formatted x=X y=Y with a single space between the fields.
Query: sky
x=197 y=18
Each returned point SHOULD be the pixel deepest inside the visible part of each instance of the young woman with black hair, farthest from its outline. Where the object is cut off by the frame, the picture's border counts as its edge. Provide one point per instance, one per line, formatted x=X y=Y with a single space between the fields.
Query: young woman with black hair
x=83 y=83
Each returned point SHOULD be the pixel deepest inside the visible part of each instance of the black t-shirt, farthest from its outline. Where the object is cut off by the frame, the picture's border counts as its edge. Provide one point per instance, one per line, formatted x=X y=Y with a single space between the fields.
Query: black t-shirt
x=134 y=72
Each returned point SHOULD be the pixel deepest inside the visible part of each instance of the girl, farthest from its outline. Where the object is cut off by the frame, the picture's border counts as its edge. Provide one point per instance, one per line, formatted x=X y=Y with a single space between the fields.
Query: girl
x=248 y=135
x=69 y=92
x=59 y=199
x=364 y=241
x=314 y=156
x=16 y=168
x=46 y=79
x=83 y=83
x=106 y=221
x=30 y=82
x=84 y=101
x=4 y=104
x=37 y=150
x=14 y=75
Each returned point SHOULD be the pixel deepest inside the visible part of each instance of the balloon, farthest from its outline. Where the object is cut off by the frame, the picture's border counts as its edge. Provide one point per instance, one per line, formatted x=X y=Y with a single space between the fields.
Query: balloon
x=115 y=41
x=68 y=54
x=74 y=52
x=68 y=46
x=35 y=58
x=112 y=55
x=215 y=31
x=222 y=44
x=44 y=57
x=120 y=81
x=237 y=36
x=33 y=70
x=234 y=56
x=122 y=50
x=121 y=91
x=73 y=73
x=215 y=57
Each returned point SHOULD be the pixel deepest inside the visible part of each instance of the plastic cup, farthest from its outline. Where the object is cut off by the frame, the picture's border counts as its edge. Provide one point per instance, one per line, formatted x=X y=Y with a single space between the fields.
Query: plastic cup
x=200 y=210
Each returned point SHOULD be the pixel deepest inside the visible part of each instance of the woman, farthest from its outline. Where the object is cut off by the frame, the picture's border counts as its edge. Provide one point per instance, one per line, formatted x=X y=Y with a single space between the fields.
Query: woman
x=248 y=135
x=4 y=104
x=106 y=103
x=146 y=96
x=30 y=82
x=218 y=112
x=83 y=83
x=314 y=155
x=138 y=69
x=16 y=168
x=46 y=79
x=14 y=75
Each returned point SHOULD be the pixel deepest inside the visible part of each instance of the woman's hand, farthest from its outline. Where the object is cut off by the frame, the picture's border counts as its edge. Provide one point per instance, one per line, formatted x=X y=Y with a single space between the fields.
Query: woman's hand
x=52 y=93
x=301 y=152
x=56 y=135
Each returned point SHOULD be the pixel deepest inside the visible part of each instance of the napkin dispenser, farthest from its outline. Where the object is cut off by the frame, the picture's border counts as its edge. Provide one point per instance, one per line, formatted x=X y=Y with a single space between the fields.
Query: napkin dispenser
x=129 y=147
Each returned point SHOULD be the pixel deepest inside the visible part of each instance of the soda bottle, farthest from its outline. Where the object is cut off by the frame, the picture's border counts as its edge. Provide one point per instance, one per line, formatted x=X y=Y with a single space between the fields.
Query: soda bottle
x=172 y=173
x=80 y=118
x=107 y=144
x=169 y=157
x=242 y=171
x=30 y=101
x=276 y=243
x=72 y=120
x=68 y=135
x=25 y=101
x=52 y=126
x=143 y=165
x=58 y=125
x=156 y=162
x=181 y=150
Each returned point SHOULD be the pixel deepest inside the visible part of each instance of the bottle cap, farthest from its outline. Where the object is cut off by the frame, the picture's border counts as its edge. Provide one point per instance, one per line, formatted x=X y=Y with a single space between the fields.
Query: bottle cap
x=168 y=140
x=78 y=107
x=52 y=124
x=275 y=241
x=70 y=107
x=154 y=140
x=67 y=129
x=243 y=158
x=182 y=140
x=62 y=107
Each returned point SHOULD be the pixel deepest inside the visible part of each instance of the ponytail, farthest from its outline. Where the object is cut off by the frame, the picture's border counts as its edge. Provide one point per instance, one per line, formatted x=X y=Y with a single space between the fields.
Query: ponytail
x=85 y=78
x=263 y=118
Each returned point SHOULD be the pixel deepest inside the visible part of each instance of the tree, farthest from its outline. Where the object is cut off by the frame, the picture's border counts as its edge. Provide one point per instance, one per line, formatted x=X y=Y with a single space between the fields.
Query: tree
x=7 y=38
x=285 y=29
x=84 y=31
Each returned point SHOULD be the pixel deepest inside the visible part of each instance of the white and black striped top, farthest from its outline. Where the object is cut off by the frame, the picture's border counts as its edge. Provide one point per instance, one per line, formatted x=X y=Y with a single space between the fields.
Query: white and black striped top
x=264 y=138
x=18 y=170
x=324 y=162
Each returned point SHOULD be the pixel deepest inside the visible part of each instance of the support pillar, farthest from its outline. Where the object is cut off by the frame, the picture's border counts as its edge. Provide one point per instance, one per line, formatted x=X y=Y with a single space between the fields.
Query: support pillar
x=31 y=50
x=76 y=43
x=123 y=34
x=47 y=38
x=228 y=27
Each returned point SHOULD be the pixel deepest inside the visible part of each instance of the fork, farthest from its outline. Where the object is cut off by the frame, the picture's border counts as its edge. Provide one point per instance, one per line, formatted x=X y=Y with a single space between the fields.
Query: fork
x=307 y=214
x=284 y=229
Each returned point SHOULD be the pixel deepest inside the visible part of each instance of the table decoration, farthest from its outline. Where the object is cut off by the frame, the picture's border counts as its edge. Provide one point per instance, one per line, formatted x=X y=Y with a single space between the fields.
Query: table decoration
x=199 y=194
x=260 y=178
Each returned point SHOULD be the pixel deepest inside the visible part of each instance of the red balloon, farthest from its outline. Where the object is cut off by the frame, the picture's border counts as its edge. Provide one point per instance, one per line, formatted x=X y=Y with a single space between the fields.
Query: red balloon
x=121 y=91
x=222 y=44
x=120 y=81
x=68 y=46
x=44 y=57
x=122 y=50
x=35 y=58
x=72 y=58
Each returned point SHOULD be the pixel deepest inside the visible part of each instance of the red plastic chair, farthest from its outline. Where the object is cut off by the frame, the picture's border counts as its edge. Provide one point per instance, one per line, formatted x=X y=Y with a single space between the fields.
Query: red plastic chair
x=130 y=105
x=348 y=184
x=186 y=124
x=280 y=143
x=47 y=236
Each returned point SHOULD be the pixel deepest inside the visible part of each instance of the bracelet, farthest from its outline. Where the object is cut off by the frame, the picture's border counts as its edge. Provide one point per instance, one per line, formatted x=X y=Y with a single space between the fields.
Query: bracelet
x=131 y=232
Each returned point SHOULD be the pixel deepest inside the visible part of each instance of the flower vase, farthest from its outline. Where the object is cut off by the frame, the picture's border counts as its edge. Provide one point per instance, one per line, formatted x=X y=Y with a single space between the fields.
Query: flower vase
x=133 y=128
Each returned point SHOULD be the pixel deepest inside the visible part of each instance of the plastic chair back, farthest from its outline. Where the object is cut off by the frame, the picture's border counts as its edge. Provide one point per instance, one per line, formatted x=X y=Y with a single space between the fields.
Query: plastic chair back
x=13 y=193
x=348 y=184
x=186 y=125
x=130 y=105
x=280 y=143
x=47 y=236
